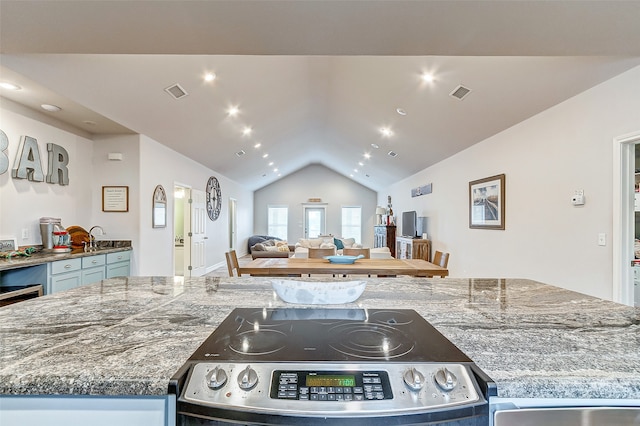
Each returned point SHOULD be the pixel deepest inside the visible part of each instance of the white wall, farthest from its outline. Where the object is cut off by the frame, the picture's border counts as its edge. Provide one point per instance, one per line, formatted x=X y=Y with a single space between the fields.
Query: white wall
x=23 y=202
x=316 y=181
x=145 y=164
x=545 y=159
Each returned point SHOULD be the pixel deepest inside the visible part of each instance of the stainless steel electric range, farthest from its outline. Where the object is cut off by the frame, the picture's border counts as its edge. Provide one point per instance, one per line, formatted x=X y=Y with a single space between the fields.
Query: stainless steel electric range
x=330 y=366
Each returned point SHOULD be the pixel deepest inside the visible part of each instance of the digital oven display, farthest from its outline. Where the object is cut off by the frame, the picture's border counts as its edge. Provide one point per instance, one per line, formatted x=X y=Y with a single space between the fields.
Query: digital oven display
x=330 y=380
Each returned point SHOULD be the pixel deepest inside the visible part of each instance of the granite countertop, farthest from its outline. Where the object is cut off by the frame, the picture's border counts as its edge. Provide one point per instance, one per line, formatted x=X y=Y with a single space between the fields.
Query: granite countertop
x=128 y=336
x=41 y=257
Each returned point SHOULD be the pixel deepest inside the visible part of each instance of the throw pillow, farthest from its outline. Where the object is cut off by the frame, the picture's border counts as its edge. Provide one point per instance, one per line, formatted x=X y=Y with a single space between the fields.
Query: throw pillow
x=258 y=247
x=268 y=243
x=282 y=245
x=348 y=242
x=271 y=248
x=338 y=243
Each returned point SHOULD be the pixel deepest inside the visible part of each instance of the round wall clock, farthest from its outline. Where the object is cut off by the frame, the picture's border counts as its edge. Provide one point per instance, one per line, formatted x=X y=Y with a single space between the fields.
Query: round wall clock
x=214 y=198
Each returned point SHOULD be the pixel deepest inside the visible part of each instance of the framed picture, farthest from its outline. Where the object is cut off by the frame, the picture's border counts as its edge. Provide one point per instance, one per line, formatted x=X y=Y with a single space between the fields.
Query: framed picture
x=115 y=198
x=486 y=203
x=159 y=208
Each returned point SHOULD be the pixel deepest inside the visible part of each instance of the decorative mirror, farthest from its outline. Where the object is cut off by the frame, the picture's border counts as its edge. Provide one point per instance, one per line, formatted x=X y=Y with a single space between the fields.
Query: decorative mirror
x=159 y=211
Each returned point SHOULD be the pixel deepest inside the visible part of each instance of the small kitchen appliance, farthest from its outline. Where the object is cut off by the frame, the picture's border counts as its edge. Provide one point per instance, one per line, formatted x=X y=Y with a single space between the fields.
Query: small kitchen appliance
x=47 y=226
x=329 y=366
x=61 y=240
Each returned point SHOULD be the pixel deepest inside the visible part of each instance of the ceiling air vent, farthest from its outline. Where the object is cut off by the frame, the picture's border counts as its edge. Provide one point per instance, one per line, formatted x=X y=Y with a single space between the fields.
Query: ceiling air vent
x=460 y=92
x=240 y=153
x=176 y=91
x=392 y=154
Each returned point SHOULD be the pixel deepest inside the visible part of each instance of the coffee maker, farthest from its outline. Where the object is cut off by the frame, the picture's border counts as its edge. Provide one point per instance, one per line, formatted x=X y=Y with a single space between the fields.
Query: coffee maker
x=54 y=237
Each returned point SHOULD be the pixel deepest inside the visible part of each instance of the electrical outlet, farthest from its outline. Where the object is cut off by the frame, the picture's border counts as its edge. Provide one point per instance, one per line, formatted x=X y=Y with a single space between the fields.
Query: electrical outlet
x=25 y=233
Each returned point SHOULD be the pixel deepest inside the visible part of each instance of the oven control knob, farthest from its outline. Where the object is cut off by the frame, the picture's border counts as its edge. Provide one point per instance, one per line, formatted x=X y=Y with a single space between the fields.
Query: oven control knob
x=445 y=379
x=216 y=378
x=248 y=378
x=414 y=379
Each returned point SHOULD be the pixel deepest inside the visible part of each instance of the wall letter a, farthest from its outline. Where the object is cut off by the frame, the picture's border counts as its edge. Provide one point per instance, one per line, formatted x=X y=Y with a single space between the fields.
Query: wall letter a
x=28 y=164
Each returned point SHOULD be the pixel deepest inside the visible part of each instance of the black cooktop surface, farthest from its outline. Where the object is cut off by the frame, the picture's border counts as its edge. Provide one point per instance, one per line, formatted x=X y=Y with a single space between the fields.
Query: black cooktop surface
x=354 y=335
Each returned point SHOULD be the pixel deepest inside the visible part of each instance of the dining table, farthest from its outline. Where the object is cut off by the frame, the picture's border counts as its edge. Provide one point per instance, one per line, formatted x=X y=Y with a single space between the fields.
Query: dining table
x=293 y=266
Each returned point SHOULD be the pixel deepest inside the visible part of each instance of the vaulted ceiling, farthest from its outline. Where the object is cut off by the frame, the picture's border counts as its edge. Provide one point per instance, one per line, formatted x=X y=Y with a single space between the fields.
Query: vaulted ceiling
x=315 y=81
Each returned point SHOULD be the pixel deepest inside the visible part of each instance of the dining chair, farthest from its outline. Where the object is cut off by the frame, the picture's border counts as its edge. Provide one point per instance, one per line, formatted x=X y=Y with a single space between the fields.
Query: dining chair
x=366 y=252
x=232 y=263
x=319 y=253
x=441 y=259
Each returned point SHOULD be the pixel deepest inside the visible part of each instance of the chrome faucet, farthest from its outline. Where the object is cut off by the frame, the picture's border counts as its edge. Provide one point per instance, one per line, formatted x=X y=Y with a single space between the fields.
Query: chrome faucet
x=92 y=239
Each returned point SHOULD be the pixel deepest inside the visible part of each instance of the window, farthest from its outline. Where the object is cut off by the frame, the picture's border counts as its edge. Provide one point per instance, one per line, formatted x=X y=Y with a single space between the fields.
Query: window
x=277 y=221
x=352 y=223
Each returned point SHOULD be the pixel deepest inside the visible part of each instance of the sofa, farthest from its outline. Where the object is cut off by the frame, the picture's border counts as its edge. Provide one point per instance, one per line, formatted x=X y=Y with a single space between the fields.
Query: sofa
x=302 y=246
x=268 y=246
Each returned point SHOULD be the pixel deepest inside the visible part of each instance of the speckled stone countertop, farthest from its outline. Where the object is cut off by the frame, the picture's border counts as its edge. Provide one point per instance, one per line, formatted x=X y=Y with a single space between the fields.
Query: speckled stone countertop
x=41 y=257
x=128 y=336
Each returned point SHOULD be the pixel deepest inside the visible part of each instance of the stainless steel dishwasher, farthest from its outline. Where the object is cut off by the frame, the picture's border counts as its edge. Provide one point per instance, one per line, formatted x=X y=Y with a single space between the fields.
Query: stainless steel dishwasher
x=569 y=416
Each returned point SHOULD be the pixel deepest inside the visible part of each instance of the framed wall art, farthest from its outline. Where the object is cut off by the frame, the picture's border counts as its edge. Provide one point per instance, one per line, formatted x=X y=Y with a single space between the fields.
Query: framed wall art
x=115 y=198
x=486 y=203
x=159 y=208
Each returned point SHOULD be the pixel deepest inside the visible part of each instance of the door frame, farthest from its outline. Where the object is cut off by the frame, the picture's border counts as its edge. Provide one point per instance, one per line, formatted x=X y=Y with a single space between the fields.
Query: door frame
x=306 y=207
x=623 y=222
x=233 y=223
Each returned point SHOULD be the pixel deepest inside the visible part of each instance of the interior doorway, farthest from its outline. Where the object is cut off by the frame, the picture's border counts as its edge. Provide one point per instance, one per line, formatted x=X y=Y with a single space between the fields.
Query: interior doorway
x=315 y=222
x=626 y=220
x=180 y=229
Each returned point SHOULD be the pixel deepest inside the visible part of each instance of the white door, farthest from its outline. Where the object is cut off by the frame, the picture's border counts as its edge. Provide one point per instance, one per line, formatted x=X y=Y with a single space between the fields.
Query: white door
x=198 y=233
x=232 y=223
x=314 y=221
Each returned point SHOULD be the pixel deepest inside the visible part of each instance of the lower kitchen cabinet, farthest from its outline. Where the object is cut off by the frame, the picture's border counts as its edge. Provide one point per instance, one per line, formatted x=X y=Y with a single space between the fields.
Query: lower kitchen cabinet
x=93 y=268
x=118 y=264
x=71 y=273
x=64 y=275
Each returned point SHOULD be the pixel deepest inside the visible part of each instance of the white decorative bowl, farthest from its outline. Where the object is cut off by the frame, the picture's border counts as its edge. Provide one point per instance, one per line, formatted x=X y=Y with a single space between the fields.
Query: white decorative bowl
x=318 y=293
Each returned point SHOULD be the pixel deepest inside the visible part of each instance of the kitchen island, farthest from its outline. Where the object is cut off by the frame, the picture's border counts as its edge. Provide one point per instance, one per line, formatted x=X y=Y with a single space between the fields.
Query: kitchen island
x=128 y=336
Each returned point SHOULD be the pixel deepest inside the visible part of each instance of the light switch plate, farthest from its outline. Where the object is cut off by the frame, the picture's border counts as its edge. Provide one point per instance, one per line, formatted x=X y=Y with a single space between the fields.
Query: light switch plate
x=602 y=239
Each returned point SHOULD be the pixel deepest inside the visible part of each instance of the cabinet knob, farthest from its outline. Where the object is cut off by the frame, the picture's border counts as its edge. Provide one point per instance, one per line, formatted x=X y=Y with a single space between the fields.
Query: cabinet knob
x=67 y=266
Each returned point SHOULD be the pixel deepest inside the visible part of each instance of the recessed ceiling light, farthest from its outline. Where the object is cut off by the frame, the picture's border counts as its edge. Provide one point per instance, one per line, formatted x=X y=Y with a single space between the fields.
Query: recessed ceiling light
x=355 y=170
x=386 y=132
x=247 y=131
x=401 y=111
x=270 y=163
x=10 y=86
x=427 y=77
x=209 y=76
x=258 y=145
x=375 y=145
x=360 y=163
x=50 y=108
x=275 y=170
x=265 y=155
x=367 y=155
x=351 y=175
x=233 y=111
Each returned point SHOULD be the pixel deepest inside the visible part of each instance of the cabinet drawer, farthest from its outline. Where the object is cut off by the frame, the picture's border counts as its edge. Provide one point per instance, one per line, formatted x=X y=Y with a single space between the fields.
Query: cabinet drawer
x=68 y=265
x=92 y=261
x=119 y=256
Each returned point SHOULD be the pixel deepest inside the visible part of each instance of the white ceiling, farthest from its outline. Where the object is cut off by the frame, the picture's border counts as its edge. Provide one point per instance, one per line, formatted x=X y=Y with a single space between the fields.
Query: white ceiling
x=315 y=80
